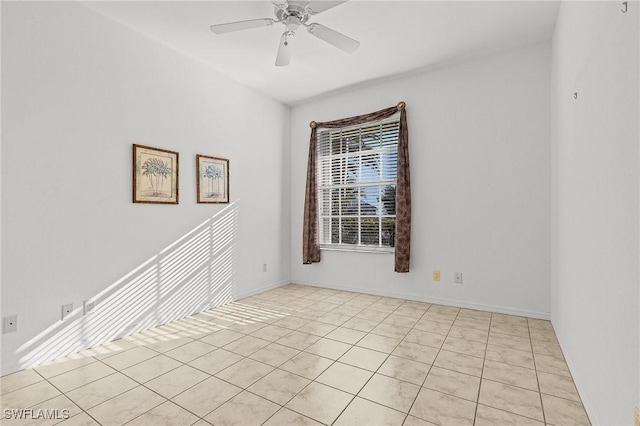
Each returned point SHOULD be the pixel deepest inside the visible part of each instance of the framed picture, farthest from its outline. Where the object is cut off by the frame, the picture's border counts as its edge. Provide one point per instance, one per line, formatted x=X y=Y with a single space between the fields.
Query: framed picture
x=155 y=175
x=212 y=175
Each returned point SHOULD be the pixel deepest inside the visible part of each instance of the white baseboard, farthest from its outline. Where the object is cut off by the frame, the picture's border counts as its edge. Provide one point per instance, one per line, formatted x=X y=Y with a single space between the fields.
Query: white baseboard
x=261 y=289
x=438 y=300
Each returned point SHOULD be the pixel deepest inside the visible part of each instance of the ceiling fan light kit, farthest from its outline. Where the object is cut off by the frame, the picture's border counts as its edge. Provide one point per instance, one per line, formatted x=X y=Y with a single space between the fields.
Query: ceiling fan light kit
x=292 y=14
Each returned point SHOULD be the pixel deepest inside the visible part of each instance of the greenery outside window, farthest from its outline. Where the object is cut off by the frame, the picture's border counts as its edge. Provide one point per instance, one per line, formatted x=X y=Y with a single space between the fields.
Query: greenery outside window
x=356 y=175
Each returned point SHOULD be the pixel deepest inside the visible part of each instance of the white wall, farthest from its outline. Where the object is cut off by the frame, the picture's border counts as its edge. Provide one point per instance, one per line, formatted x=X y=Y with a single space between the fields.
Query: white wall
x=595 y=201
x=479 y=137
x=77 y=91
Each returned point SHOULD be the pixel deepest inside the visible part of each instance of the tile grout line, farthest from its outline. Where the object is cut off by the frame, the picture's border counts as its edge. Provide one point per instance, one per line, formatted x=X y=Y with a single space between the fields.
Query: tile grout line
x=374 y=372
x=432 y=363
x=368 y=380
x=310 y=380
x=544 y=416
x=116 y=371
x=314 y=380
x=212 y=375
x=434 y=359
x=484 y=360
x=335 y=361
x=57 y=396
x=190 y=387
x=381 y=364
x=65 y=395
x=570 y=376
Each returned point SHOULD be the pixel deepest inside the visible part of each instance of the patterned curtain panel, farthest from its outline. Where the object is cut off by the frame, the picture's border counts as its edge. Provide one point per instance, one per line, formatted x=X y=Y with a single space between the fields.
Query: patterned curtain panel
x=403 y=197
x=310 y=241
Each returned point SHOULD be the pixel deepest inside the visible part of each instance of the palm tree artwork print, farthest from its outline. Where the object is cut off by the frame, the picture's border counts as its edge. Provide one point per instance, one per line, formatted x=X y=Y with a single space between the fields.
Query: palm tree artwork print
x=213 y=174
x=157 y=170
x=155 y=175
x=213 y=179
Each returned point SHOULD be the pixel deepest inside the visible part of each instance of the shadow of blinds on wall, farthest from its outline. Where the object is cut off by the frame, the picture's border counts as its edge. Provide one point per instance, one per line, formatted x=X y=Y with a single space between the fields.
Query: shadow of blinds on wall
x=310 y=243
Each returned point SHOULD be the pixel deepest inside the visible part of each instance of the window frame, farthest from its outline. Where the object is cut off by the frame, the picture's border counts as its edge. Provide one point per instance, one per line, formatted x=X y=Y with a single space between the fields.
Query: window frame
x=325 y=166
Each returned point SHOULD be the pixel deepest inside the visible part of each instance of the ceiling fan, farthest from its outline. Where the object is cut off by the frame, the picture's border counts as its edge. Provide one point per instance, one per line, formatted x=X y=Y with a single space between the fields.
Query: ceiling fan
x=292 y=14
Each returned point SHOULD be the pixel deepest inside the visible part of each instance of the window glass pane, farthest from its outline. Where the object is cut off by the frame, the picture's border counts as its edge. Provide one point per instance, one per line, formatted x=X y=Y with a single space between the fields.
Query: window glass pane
x=350 y=140
x=369 y=201
x=388 y=200
x=326 y=228
x=323 y=144
x=325 y=202
x=389 y=135
x=335 y=231
x=352 y=171
x=331 y=176
x=370 y=229
x=370 y=168
x=371 y=137
x=349 y=201
x=334 y=142
x=389 y=165
x=324 y=171
x=388 y=231
x=349 y=227
x=335 y=201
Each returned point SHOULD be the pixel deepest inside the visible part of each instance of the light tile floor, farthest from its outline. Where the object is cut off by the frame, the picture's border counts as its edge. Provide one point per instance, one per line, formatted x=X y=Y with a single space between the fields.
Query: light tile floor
x=301 y=355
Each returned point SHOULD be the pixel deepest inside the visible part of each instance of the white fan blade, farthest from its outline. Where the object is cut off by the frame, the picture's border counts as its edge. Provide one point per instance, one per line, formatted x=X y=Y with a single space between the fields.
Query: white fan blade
x=317 y=6
x=333 y=37
x=284 y=51
x=241 y=25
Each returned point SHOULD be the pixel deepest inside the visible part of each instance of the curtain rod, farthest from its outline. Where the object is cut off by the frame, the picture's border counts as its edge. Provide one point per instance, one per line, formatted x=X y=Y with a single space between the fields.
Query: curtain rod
x=401 y=105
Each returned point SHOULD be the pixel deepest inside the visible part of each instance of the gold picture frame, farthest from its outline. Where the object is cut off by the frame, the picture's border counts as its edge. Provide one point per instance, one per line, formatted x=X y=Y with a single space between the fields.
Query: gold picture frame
x=212 y=177
x=155 y=175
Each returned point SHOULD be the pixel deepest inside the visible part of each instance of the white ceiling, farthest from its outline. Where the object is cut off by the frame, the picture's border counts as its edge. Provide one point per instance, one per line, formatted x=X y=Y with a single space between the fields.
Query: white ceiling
x=397 y=37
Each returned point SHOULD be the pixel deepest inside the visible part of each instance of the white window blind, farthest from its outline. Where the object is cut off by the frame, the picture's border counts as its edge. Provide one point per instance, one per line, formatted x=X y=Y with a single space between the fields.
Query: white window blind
x=357 y=168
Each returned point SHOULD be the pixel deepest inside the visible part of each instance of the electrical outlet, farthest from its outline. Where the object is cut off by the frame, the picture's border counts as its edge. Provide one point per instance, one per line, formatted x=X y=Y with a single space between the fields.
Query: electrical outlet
x=436 y=275
x=66 y=310
x=264 y=267
x=457 y=278
x=9 y=324
x=89 y=306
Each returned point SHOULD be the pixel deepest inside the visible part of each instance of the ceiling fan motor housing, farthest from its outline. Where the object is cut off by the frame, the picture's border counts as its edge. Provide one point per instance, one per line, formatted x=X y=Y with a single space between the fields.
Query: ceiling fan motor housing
x=294 y=15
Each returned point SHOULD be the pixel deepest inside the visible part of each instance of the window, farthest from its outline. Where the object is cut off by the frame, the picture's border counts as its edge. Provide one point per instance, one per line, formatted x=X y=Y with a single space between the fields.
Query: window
x=357 y=168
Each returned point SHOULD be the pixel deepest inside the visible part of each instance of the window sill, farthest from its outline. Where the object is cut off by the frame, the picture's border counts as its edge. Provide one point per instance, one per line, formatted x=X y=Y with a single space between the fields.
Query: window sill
x=358 y=249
